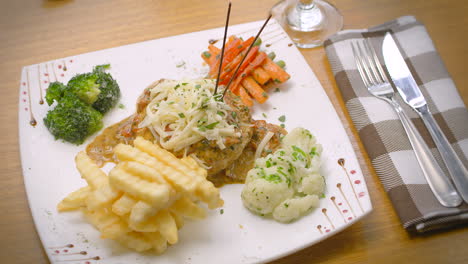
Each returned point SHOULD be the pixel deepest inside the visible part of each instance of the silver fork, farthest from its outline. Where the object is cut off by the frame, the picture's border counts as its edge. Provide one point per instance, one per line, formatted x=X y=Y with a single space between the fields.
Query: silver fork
x=377 y=84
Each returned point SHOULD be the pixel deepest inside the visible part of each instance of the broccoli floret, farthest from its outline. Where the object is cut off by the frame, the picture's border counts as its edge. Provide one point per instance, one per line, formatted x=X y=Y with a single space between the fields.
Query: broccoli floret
x=73 y=120
x=55 y=92
x=85 y=86
x=96 y=88
x=110 y=91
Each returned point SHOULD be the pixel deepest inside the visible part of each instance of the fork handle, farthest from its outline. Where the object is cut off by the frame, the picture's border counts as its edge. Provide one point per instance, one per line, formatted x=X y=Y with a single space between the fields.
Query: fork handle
x=440 y=185
x=455 y=166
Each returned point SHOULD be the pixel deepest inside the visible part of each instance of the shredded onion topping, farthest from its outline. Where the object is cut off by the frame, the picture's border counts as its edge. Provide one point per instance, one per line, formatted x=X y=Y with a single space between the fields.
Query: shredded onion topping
x=185 y=112
x=263 y=143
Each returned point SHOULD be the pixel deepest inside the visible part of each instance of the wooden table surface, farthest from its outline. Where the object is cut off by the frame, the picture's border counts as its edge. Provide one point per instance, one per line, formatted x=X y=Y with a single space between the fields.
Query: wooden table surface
x=32 y=31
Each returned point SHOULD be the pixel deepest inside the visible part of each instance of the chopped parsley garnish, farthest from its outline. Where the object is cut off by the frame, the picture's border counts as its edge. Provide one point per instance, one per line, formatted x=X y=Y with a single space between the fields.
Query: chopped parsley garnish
x=313 y=151
x=181 y=115
x=297 y=149
x=198 y=86
x=282 y=118
x=206 y=54
x=221 y=113
x=180 y=64
x=282 y=125
x=121 y=106
x=234 y=114
x=277 y=90
x=221 y=211
x=274 y=178
x=264 y=115
x=286 y=205
x=177 y=86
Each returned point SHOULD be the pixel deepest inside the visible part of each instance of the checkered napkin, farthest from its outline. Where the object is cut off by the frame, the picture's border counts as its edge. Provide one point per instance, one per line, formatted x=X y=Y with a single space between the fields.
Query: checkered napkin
x=381 y=131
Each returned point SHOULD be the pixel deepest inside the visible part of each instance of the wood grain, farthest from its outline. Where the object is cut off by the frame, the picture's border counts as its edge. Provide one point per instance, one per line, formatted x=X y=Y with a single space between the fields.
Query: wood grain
x=33 y=31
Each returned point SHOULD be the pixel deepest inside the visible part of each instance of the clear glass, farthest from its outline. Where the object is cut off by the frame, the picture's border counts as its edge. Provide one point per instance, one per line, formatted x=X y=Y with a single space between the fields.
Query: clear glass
x=308 y=22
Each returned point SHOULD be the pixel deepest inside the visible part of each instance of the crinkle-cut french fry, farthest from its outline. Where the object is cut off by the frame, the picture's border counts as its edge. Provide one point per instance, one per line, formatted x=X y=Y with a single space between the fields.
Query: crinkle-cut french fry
x=192 y=164
x=136 y=241
x=144 y=172
x=179 y=220
x=148 y=225
x=74 y=200
x=110 y=225
x=102 y=197
x=158 y=242
x=167 y=158
x=177 y=179
x=89 y=171
x=123 y=205
x=185 y=207
x=143 y=201
x=141 y=211
x=209 y=194
x=167 y=226
x=153 y=193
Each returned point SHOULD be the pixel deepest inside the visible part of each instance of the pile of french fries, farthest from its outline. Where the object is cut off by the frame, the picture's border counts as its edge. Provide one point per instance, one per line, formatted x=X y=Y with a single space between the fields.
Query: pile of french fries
x=143 y=201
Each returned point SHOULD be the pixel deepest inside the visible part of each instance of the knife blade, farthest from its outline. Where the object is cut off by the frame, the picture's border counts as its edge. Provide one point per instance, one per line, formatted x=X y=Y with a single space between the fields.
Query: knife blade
x=411 y=94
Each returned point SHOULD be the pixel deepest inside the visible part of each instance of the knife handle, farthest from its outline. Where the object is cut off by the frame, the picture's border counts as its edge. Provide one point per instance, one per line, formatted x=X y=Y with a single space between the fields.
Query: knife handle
x=455 y=166
x=440 y=184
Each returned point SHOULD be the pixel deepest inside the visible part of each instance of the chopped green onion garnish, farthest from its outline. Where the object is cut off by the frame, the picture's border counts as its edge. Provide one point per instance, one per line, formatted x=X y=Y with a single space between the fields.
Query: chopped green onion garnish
x=281 y=63
x=258 y=42
x=212 y=125
x=272 y=55
x=282 y=118
x=206 y=54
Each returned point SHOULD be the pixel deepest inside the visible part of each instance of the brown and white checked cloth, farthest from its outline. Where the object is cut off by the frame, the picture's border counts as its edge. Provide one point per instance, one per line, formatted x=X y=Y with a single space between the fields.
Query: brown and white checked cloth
x=381 y=131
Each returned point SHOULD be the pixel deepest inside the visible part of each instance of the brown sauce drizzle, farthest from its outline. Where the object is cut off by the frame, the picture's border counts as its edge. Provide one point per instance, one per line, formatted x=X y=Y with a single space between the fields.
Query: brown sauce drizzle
x=41 y=100
x=213 y=41
x=32 y=120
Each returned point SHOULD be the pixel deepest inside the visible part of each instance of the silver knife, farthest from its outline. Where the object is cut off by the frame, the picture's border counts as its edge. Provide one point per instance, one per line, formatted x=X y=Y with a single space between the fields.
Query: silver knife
x=409 y=91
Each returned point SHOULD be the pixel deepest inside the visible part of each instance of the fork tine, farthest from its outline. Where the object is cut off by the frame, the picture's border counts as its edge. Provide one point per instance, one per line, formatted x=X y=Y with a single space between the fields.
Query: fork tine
x=381 y=72
x=357 y=60
x=365 y=64
x=372 y=68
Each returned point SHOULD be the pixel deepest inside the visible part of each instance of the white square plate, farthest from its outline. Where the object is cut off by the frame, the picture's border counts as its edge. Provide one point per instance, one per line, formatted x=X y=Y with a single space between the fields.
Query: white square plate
x=236 y=236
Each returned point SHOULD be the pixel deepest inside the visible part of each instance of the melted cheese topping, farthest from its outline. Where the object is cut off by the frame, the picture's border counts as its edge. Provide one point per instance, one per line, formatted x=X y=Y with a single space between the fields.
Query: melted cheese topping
x=185 y=112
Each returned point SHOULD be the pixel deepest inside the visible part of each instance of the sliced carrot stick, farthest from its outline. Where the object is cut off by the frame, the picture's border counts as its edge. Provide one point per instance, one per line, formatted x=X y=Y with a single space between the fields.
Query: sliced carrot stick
x=231 y=50
x=276 y=72
x=260 y=75
x=209 y=57
x=232 y=67
x=254 y=89
x=247 y=68
x=214 y=49
x=245 y=97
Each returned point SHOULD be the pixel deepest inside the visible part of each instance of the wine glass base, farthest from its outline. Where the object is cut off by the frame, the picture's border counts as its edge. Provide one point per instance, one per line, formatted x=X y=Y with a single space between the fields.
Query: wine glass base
x=308 y=26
